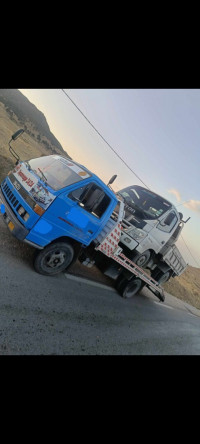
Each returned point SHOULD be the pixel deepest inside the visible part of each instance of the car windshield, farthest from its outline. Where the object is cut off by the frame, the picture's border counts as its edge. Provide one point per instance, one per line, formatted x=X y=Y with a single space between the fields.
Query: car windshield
x=143 y=202
x=58 y=172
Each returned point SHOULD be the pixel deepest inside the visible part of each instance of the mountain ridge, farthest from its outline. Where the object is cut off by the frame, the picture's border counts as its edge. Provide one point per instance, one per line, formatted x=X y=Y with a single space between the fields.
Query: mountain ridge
x=33 y=121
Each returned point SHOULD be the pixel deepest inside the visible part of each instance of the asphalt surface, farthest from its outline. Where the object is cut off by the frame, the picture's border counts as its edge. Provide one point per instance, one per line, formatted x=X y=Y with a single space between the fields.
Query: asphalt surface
x=70 y=315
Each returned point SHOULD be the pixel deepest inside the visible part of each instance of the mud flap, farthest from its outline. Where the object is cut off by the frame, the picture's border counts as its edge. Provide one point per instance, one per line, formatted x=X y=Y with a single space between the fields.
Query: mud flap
x=159 y=295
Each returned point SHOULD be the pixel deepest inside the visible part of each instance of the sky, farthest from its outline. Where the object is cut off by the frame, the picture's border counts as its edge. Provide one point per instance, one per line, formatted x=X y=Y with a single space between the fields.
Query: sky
x=155 y=131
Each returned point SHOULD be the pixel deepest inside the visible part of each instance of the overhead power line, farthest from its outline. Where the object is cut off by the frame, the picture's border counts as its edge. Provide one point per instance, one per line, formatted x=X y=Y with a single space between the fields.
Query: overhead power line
x=104 y=139
x=67 y=95
x=183 y=203
x=190 y=251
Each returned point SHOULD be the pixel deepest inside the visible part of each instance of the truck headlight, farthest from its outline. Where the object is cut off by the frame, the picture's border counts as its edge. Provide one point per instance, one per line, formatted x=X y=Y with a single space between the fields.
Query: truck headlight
x=127 y=240
x=137 y=234
x=21 y=210
x=26 y=217
x=23 y=213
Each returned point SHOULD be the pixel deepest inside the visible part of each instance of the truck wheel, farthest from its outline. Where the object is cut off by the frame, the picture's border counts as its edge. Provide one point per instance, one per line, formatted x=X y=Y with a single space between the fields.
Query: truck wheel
x=161 y=277
x=127 y=289
x=142 y=259
x=54 y=258
x=155 y=273
x=121 y=280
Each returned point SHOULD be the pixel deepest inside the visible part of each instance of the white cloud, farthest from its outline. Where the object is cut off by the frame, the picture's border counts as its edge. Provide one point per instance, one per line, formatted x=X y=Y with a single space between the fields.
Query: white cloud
x=176 y=193
x=193 y=205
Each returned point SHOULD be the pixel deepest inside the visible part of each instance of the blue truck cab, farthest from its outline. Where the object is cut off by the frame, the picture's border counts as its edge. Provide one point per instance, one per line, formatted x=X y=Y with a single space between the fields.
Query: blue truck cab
x=57 y=206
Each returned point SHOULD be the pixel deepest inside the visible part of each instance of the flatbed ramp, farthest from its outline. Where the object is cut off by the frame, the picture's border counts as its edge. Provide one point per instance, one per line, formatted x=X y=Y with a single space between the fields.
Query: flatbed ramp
x=110 y=247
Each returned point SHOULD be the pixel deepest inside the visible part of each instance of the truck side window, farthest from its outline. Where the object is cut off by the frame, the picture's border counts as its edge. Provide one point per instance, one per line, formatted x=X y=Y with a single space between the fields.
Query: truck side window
x=92 y=198
x=168 y=228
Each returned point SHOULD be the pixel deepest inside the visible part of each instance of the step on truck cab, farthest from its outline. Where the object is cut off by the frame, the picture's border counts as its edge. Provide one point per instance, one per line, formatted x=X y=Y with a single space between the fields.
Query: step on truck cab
x=54 y=203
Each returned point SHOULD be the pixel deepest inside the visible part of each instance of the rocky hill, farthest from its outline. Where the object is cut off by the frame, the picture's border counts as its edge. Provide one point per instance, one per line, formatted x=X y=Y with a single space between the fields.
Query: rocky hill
x=16 y=111
x=33 y=121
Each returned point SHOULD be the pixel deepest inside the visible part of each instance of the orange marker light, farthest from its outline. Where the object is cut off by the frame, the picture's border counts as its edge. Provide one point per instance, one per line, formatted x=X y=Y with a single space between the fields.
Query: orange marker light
x=39 y=210
x=11 y=226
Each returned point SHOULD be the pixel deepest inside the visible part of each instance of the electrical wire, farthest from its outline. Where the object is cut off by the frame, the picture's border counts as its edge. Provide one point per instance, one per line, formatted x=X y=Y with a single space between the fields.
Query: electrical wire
x=190 y=252
x=104 y=139
x=67 y=95
x=183 y=203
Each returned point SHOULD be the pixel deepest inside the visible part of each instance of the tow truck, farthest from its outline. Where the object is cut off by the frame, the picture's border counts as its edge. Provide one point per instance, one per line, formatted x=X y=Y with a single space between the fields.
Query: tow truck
x=66 y=213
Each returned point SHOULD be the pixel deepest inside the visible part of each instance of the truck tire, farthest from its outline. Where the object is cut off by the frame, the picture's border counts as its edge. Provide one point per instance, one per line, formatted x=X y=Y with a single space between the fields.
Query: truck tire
x=128 y=289
x=155 y=273
x=54 y=258
x=121 y=280
x=142 y=259
x=162 y=277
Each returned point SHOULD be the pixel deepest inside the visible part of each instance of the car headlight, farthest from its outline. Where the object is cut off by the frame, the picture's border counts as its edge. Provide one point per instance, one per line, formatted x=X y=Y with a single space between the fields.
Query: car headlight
x=137 y=234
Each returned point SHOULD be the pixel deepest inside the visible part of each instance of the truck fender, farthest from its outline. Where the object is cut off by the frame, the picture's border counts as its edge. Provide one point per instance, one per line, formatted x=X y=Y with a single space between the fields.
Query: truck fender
x=75 y=244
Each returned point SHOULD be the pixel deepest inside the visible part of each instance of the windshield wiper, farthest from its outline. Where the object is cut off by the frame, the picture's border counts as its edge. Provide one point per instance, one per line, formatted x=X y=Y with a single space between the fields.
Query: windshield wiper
x=42 y=174
x=136 y=207
x=132 y=204
x=141 y=210
x=28 y=164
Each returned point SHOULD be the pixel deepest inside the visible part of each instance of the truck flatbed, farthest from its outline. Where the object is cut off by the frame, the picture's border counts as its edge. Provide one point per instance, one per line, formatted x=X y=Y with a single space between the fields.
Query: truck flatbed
x=109 y=247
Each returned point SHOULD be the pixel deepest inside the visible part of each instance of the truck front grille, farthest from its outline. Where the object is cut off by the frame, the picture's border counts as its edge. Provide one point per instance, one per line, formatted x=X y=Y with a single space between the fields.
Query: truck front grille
x=23 y=193
x=10 y=196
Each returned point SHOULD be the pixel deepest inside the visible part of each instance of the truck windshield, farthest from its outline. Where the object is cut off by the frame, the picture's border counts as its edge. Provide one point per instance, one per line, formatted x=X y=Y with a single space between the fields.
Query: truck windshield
x=143 y=202
x=58 y=172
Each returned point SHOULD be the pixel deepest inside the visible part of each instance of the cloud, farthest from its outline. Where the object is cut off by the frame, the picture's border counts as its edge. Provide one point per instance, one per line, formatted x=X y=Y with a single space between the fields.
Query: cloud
x=193 y=205
x=176 y=193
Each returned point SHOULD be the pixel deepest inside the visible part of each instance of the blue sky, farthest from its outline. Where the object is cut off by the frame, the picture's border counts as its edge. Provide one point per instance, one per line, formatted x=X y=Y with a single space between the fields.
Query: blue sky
x=155 y=131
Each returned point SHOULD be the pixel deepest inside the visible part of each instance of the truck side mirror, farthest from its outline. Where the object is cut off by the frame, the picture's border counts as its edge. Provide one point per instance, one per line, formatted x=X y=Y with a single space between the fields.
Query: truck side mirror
x=169 y=219
x=17 y=134
x=112 y=179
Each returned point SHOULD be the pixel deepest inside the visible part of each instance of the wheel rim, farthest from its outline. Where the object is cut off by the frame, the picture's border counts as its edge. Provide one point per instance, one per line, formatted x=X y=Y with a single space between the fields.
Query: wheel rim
x=141 y=261
x=164 y=278
x=55 y=259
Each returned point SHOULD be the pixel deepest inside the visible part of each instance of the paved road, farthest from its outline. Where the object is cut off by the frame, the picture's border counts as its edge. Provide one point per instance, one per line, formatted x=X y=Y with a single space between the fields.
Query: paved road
x=66 y=315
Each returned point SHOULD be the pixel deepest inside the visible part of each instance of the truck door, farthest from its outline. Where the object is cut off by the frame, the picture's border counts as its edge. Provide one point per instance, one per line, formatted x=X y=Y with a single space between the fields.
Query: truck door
x=86 y=211
x=165 y=228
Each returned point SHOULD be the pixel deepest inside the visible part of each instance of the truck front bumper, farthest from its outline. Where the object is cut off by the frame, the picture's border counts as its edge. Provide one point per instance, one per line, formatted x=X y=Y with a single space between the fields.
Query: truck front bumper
x=13 y=224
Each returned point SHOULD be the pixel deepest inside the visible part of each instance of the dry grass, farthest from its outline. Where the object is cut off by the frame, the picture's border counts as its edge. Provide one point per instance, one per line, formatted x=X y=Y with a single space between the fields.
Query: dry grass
x=186 y=287
x=26 y=146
